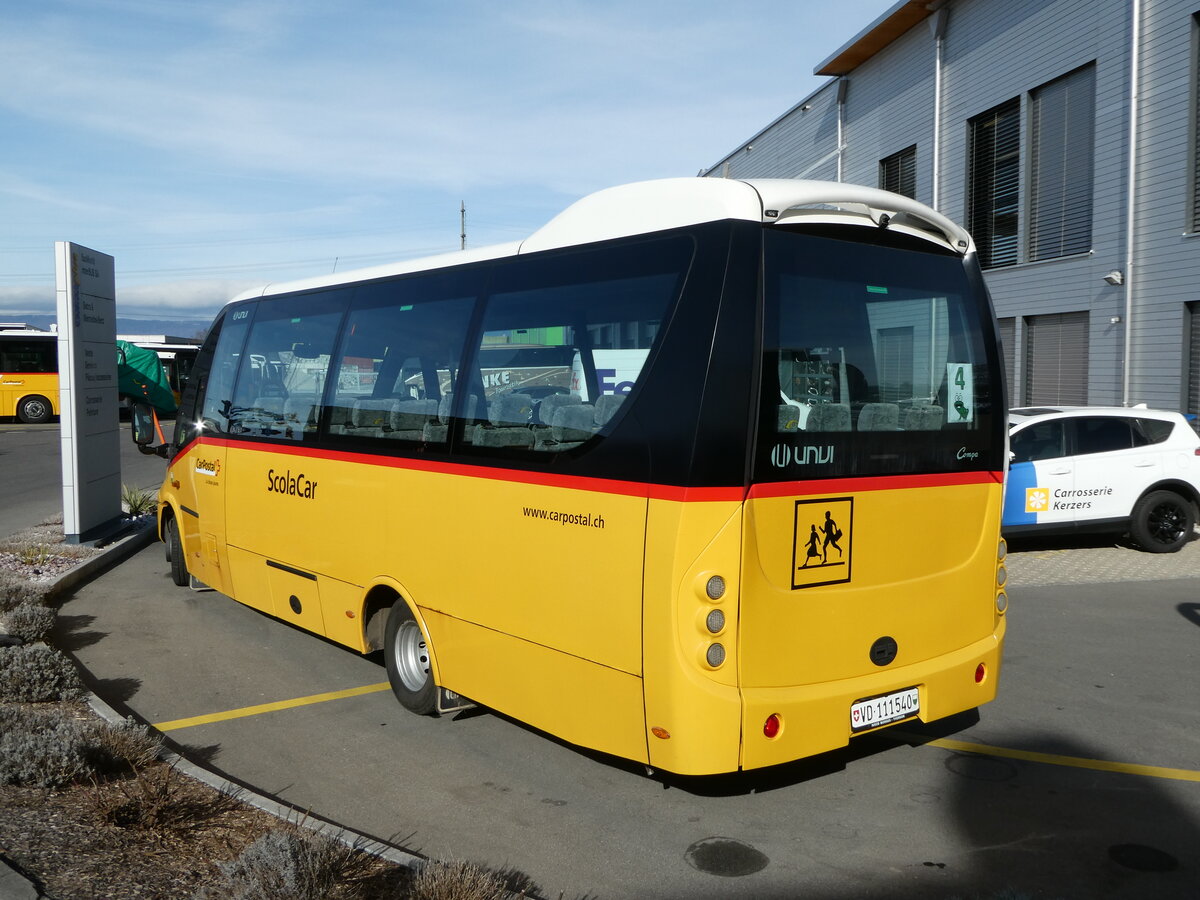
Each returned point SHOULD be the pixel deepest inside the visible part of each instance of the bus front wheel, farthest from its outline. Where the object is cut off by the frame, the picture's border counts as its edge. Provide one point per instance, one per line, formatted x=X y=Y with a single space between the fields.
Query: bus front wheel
x=179 y=572
x=406 y=652
x=34 y=410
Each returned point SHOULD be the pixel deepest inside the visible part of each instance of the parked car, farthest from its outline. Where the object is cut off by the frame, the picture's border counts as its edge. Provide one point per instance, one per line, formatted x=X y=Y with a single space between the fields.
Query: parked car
x=1131 y=471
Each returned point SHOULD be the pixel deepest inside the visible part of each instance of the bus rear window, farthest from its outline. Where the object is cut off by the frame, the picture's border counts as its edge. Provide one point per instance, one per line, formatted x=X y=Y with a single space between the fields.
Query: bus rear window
x=874 y=360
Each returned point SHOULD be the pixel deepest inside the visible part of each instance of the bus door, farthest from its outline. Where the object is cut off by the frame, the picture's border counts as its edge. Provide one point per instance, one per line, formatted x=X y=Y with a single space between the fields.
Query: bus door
x=281 y=498
x=199 y=471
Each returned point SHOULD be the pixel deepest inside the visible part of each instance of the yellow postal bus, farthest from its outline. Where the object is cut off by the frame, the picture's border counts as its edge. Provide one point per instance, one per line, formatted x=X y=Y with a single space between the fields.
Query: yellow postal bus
x=704 y=473
x=28 y=374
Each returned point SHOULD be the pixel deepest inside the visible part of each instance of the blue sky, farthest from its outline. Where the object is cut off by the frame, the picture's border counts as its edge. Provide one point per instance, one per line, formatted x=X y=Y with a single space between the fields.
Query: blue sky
x=210 y=146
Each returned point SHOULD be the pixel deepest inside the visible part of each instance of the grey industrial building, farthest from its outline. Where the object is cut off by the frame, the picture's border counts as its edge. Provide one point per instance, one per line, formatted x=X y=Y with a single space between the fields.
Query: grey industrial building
x=1063 y=134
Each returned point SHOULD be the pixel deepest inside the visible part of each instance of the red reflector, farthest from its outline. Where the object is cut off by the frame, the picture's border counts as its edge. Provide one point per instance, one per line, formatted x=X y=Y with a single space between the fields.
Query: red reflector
x=772 y=725
x=980 y=673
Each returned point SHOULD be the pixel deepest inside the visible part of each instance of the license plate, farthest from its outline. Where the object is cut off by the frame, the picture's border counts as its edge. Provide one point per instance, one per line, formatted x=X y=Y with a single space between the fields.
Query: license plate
x=873 y=712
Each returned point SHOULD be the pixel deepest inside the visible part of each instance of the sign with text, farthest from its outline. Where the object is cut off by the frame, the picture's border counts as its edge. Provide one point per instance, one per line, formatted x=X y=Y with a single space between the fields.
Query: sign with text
x=88 y=402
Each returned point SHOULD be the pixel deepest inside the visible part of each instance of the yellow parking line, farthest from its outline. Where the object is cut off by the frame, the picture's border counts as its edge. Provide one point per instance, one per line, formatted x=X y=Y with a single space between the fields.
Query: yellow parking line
x=1054 y=759
x=176 y=724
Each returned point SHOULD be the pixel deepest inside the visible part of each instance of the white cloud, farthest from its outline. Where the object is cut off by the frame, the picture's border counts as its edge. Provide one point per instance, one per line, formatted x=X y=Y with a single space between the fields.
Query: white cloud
x=265 y=138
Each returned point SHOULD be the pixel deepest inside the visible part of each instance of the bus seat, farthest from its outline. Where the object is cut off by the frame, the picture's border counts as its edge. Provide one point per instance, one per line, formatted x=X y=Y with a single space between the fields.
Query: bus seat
x=300 y=411
x=409 y=418
x=508 y=422
x=828 y=417
x=879 y=417
x=510 y=409
x=928 y=417
x=340 y=413
x=544 y=414
x=437 y=431
x=371 y=416
x=546 y=409
x=572 y=425
x=787 y=418
x=606 y=408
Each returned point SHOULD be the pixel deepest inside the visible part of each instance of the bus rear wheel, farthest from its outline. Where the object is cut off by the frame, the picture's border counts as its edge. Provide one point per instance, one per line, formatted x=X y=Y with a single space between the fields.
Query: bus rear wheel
x=179 y=572
x=408 y=660
x=34 y=410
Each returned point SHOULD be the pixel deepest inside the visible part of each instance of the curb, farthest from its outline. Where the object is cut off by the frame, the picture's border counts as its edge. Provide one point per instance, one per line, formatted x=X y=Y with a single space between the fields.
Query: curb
x=144 y=533
x=16 y=885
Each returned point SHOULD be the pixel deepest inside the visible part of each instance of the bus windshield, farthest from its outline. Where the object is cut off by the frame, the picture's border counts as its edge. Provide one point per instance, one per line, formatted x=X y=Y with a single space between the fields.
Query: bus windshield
x=874 y=360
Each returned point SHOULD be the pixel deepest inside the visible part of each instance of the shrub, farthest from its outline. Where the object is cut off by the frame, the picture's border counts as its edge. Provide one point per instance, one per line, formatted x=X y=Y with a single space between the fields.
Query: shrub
x=49 y=747
x=16 y=591
x=30 y=623
x=126 y=746
x=457 y=881
x=291 y=864
x=138 y=501
x=42 y=748
x=36 y=673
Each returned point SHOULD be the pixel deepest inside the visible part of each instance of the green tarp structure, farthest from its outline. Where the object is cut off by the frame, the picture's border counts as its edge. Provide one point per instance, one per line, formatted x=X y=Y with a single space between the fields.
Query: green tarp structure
x=140 y=375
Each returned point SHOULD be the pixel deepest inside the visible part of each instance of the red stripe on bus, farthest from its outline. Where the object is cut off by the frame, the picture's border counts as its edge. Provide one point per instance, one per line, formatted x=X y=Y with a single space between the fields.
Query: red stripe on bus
x=872 y=483
x=614 y=486
x=493 y=473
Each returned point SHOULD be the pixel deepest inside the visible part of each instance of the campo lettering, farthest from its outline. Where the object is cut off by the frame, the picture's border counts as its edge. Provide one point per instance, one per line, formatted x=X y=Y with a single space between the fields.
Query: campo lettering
x=297 y=486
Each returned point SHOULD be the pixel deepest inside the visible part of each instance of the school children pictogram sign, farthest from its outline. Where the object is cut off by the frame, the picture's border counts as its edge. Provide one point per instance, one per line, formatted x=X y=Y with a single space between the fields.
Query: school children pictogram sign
x=823 y=542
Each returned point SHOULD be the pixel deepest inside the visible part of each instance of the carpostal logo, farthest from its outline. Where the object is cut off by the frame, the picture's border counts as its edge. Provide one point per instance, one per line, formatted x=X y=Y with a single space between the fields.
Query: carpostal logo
x=208 y=467
x=291 y=485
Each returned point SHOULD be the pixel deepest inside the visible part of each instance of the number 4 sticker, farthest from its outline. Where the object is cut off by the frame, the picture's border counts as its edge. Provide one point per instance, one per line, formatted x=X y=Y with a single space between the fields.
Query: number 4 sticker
x=960 y=403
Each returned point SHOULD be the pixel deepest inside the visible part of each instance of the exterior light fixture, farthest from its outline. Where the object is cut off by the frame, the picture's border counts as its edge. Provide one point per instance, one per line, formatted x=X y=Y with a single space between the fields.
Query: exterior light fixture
x=1116 y=276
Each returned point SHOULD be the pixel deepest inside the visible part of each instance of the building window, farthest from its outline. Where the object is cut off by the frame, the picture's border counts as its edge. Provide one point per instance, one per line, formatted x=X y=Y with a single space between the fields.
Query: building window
x=898 y=173
x=1194 y=221
x=1056 y=359
x=994 y=183
x=1062 y=129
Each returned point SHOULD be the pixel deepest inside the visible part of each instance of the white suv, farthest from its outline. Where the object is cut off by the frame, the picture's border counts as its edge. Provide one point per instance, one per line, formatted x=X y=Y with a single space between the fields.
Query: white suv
x=1084 y=468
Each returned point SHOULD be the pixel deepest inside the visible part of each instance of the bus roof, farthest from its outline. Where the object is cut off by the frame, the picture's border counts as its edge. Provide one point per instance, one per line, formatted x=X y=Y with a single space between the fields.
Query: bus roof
x=649 y=206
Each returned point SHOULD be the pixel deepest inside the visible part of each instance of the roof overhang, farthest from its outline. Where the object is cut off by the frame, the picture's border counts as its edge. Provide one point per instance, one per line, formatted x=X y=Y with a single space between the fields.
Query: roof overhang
x=889 y=26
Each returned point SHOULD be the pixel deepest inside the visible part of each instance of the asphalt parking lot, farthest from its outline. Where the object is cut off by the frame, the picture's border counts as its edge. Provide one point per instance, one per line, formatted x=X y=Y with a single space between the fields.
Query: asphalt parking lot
x=1081 y=780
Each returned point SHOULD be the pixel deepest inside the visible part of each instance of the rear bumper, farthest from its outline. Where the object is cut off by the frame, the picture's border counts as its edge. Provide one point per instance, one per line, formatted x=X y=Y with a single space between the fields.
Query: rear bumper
x=816 y=718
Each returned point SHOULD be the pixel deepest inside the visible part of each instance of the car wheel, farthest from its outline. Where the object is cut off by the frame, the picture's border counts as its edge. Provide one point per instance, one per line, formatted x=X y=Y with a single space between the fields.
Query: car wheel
x=34 y=410
x=1162 y=522
x=406 y=654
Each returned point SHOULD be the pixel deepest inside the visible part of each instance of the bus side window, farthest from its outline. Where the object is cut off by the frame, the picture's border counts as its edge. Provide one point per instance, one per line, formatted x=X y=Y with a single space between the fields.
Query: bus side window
x=283 y=369
x=394 y=372
x=566 y=340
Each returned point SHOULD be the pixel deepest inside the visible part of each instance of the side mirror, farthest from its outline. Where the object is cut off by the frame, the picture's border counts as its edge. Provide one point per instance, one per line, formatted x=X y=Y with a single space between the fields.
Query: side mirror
x=143 y=422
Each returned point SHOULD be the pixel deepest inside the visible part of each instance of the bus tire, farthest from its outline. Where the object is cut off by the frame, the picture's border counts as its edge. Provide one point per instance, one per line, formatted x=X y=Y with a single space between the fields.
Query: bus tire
x=34 y=410
x=179 y=572
x=1162 y=522
x=408 y=660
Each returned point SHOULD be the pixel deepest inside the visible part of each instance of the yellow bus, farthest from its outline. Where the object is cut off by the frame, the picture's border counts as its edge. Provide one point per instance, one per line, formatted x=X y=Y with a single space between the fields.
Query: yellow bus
x=175 y=353
x=28 y=374
x=704 y=473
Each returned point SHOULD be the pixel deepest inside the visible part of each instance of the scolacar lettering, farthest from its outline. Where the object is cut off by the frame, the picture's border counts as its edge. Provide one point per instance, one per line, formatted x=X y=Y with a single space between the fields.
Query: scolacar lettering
x=292 y=486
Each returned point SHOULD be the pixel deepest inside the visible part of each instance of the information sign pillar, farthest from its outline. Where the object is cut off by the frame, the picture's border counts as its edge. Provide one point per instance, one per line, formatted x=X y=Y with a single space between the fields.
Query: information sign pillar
x=88 y=402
